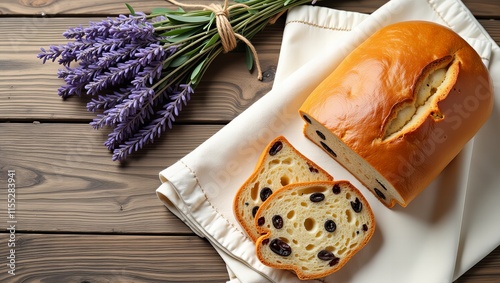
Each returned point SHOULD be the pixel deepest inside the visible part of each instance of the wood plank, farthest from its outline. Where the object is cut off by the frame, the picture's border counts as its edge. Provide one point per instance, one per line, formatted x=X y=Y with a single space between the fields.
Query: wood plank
x=132 y=258
x=483 y=8
x=66 y=180
x=226 y=90
x=112 y=258
x=66 y=184
x=487 y=270
x=493 y=28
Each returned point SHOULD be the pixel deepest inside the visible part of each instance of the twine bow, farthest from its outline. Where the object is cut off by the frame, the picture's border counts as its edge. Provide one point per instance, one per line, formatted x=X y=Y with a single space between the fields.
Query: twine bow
x=227 y=35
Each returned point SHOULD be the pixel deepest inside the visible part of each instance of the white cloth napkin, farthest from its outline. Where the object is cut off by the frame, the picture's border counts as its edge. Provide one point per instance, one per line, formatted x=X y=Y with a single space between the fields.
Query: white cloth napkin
x=447 y=229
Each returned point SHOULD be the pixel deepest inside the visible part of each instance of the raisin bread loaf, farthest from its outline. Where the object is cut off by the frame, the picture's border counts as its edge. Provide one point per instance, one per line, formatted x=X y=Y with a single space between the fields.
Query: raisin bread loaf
x=400 y=107
x=313 y=228
x=279 y=165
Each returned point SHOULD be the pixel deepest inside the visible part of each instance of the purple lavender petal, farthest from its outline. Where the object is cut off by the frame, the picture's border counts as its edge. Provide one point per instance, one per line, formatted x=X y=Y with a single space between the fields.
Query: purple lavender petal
x=117 y=52
x=102 y=29
x=130 y=106
x=126 y=129
x=81 y=76
x=76 y=33
x=76 y=79
x=157 y=126
x=148 y=75
x=96 y=49
x=66 y=91
x=137 y=31
x=126 y=71
x=107 y=101
x=52 y=54
x=111 y=58
x=104 y=36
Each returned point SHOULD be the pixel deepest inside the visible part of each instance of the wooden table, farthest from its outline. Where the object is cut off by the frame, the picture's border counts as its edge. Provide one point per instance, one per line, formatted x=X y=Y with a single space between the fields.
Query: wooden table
x=80 y=216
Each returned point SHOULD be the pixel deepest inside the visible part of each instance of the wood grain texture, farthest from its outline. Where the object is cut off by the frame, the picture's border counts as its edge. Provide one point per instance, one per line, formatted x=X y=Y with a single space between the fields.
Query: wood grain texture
x=142 y=259
x=67 y=182
x=483 y=8
x=63 y=258
x=25 y=82
x=486 y=271
x=81 y=217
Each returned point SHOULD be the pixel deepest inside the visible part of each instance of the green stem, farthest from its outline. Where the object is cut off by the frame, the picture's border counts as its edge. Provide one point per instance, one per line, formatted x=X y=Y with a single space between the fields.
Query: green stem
x=186 y=66
x=170 y=27
x=242 y=21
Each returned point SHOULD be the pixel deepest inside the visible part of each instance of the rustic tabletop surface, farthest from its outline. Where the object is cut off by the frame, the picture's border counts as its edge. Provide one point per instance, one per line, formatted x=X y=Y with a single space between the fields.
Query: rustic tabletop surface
x=84 y=218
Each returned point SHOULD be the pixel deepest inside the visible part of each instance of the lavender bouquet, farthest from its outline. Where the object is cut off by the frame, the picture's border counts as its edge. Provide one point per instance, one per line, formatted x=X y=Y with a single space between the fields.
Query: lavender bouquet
x=141 y=69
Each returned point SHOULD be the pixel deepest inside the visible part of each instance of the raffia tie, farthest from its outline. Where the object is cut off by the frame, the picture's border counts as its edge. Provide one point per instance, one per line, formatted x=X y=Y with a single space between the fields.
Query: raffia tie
x=227 y=35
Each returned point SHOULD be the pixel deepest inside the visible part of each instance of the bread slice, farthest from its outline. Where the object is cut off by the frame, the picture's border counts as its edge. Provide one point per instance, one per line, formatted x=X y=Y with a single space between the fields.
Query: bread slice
x=313 y=228
x=280 y=164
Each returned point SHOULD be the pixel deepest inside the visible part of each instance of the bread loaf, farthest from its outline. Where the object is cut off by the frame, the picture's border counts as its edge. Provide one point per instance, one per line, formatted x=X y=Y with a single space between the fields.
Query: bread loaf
x=313 y=228
x=400 y=107
x=279 y=165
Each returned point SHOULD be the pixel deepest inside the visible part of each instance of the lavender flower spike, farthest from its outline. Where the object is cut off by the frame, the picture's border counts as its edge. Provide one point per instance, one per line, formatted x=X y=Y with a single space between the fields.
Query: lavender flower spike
x=129 y=107
x=90 y=43
x=125 y=71
x=153 y=130
x=101 y=30
x=129 y=67
x=76 y=33
x=126 y=129
x=67 y=53
x=107 y=101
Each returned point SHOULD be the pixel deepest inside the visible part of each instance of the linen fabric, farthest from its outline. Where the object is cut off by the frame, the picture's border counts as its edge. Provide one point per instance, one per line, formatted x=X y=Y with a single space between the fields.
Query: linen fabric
x=440 y=235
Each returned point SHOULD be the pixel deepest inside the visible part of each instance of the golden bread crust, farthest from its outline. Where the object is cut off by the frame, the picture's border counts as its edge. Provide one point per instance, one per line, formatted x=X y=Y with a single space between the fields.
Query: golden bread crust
x=358 y=101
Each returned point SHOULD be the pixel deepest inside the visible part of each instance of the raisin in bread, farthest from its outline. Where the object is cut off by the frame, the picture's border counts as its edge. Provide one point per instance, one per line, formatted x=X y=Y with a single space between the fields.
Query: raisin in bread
x=400 y=107
x=313 y=228
x=279 y=165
